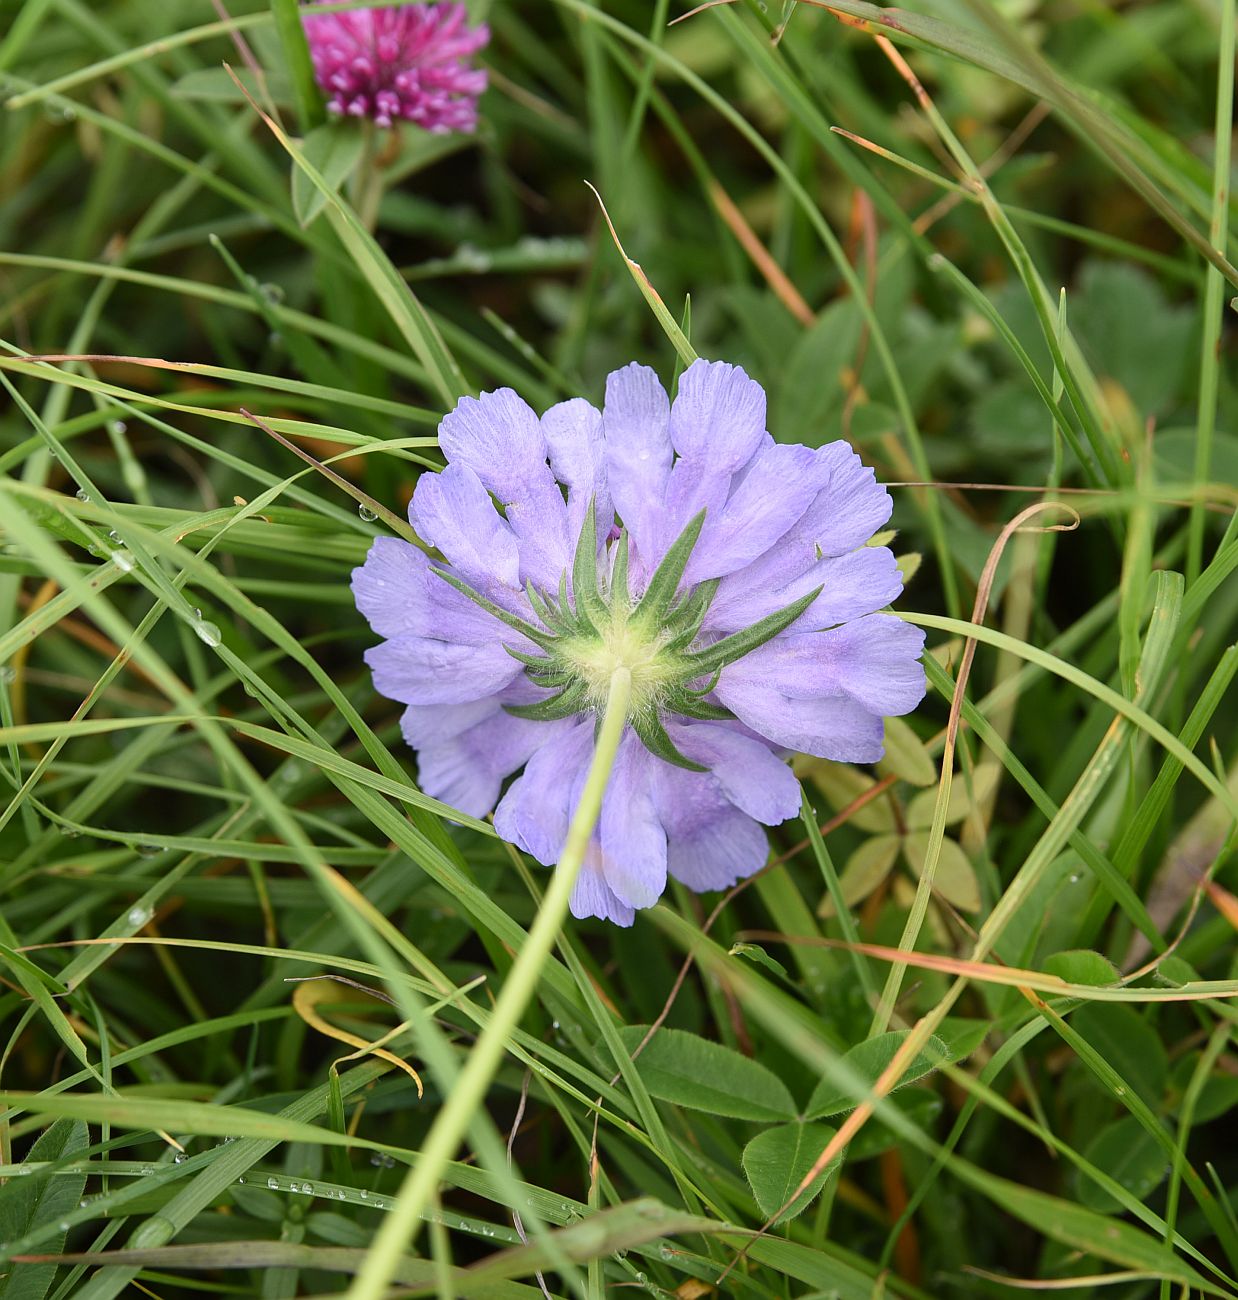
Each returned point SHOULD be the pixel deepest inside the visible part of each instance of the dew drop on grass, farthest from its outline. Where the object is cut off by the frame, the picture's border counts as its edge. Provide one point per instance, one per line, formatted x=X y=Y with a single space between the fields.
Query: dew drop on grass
x=241 y=1179
x=82 y=494
x=180 y=1157
x=138 y=916
x=208 y=633
x=273 y=1184
x=308 y=1189
x=148 y=850
x=123 y=561
x=367 y=514
x=119 y=427
x=273 y=293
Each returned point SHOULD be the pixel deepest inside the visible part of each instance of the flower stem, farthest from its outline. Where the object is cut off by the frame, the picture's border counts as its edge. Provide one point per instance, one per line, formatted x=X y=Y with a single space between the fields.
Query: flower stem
x=468 y=1092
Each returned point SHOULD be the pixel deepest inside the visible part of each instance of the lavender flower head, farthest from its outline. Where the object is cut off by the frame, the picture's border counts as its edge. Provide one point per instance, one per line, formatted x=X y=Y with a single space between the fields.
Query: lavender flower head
x=728 y=573
x=409 y=62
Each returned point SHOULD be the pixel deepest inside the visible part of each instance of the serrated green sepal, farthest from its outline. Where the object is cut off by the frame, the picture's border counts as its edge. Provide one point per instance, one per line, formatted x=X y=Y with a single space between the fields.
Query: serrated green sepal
x=535 y=634
x=548 y=612
x=586 y=593
x=619 y=573
x=566 y=704
x=653 y=735
x=702 y=710
x=738 y=644
x=686 y=620
x=535 y=663
x=659 y=596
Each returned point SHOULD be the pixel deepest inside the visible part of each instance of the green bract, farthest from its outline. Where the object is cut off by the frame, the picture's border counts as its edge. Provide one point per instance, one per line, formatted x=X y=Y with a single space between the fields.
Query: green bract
x=593 y=625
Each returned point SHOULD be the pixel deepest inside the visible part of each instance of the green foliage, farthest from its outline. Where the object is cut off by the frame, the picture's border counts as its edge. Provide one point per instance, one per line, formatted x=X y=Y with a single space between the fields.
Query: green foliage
x=1020 y=290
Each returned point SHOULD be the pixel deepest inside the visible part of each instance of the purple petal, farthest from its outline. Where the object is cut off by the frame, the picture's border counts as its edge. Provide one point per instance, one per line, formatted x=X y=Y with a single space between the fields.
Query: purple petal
x=718 y=416
x=592 y=896
x=746 y=772
x=851 y=508
x=774 y=492
x=710 y=843
x=467 y=770
x=834 y=727
x=453 y=512
x=852 y=585
x=500 y=439
x=875 y=660
x=420 y=670
x=638 y=457
x=534 y=812
x=573 y=432
x=848 y=508
x=633 y=843
x=400 y=594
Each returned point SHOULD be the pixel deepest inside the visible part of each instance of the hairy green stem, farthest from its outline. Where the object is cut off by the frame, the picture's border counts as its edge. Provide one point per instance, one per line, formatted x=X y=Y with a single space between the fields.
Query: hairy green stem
x=468 y=1094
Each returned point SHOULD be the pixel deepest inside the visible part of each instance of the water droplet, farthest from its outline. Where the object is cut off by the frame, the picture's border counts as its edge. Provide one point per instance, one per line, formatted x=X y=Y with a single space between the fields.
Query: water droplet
x=147 y=1170
x=1074 y=877
x=273 y=1184
x=123 y=561
x=1119 y=1092
x=7 y=674
x=308 y=1189
x=70 y=832
x=119 y=427
x=148 y=850
x=367 y=514
x=241 y=1179
x=138 y=916
x=273 y=293
x=113 y=535
x=63 y=1225
x=365 y=1196
x=295 y=1188
x=180 y=1157
x=208 y=633
x=82 y=1204
x=21 y=1171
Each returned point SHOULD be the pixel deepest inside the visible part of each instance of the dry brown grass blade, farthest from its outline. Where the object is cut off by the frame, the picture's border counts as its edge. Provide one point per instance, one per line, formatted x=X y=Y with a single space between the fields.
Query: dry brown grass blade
x=761 y=257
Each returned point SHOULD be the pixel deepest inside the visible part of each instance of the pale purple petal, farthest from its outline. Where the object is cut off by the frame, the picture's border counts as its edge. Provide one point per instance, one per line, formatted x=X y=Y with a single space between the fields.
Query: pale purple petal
x=419 y=670
x=638 y=458
x=833 y=727
x=851 y=585
x=577 y=445
x=852 y=506
x=468 y=770
x=453 y=512
x=535 y=811
x=400 y=594
x=746 y=771
x=775 y=490
x=592 y=896
x=711 y=844
x=499 y=437
x=875 y=660
x=847 y=510
x=718 y=416
x=633 y=843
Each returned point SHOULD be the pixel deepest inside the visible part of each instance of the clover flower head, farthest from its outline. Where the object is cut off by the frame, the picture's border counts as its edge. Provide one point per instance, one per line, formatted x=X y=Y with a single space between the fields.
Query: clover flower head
x=408 y=62
x=728 y=573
